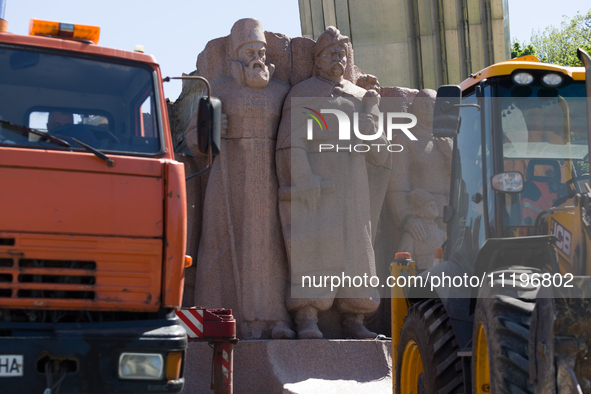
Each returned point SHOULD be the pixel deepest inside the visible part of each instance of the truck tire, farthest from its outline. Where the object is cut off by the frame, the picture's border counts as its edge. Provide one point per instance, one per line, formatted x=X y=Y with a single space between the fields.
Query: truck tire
x=500 y=361
x=427 y=359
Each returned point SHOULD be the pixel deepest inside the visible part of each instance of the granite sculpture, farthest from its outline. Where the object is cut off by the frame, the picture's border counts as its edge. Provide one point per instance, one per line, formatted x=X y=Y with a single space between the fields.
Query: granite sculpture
x=264 y=201
x=242 y=264
x=326 y=219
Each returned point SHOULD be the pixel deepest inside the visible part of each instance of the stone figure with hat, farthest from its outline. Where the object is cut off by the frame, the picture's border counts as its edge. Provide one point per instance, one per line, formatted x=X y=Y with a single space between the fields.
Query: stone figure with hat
x=326 y=219
x=242 y=262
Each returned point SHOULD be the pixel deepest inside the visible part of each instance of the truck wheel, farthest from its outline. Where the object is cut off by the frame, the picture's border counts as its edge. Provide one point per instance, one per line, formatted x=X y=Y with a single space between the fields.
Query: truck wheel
x=500 y=335
x=427 y=359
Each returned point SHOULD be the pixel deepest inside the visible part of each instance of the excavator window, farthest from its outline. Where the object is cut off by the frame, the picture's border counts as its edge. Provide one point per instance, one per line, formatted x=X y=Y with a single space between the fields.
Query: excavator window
x=544 y=137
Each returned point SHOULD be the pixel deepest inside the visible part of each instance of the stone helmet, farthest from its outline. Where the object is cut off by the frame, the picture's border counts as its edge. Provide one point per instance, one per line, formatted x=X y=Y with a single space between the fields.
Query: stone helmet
x=331 y=36
x=245 y=31
x=426 y=93
x=422 y=96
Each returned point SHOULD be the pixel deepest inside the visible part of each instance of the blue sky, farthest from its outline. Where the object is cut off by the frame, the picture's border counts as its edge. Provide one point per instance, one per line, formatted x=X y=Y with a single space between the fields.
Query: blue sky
x=526 y=16
x=175 y=31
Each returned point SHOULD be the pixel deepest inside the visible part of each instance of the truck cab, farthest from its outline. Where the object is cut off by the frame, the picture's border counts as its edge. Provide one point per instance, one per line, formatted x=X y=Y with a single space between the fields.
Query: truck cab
x=93 y=223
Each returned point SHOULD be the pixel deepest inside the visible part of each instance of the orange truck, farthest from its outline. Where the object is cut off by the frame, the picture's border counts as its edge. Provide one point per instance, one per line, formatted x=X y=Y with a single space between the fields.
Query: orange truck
x=92 y=218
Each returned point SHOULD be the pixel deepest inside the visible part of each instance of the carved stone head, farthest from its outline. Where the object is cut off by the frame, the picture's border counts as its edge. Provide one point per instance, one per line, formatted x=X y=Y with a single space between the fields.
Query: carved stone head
x=249 y=53
x=246 y=31
x=422 y=107
x=330 y=54
x=423 y=204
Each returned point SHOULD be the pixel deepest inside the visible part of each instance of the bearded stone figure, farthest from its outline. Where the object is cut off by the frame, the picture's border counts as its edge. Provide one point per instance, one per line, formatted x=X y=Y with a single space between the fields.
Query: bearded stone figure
x=327 y=219
x=242 y=263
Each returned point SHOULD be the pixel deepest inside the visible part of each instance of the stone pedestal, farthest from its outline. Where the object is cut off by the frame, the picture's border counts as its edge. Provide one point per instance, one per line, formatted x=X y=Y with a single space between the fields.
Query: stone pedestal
x=298 y=367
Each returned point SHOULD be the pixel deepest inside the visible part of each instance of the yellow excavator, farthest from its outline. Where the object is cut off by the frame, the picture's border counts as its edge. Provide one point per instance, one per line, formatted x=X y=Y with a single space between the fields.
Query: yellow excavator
x=518 y=320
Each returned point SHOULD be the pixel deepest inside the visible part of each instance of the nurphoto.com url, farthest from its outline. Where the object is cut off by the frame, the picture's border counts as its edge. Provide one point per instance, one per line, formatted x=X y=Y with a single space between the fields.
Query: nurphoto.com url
x=521 y=280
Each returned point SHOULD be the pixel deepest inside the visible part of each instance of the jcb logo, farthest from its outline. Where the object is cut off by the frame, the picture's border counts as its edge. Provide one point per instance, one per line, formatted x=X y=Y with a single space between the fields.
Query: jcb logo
x=563 y=238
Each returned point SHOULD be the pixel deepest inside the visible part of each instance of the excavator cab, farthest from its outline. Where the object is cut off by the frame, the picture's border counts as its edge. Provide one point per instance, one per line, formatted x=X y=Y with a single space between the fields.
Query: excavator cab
x=520 y=160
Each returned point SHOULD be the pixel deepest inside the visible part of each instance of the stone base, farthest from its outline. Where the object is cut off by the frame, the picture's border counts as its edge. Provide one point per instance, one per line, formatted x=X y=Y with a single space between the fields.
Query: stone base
x=339 y=366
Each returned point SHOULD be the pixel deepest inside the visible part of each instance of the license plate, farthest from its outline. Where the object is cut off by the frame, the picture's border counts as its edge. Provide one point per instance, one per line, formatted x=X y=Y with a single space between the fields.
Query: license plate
x=11 y=365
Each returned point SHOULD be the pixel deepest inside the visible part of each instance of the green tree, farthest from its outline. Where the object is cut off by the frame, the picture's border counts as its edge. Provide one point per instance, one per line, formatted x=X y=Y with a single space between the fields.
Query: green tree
x=559 y=45
x=520 y=49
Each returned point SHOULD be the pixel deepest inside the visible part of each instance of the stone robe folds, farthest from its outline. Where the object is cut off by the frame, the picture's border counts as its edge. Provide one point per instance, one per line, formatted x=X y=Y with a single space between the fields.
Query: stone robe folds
x=336 y=238
x=242 y=262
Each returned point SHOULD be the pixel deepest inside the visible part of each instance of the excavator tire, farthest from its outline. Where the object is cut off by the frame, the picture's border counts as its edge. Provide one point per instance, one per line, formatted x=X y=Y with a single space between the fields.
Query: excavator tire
x=427 y=356
x=501 y=333
x=560 y=335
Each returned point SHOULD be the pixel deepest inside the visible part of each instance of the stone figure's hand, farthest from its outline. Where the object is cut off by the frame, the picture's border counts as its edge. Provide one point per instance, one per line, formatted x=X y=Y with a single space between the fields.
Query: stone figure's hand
x=416 y=228
x=224 y=125
x=308 y=190
x=372 y=99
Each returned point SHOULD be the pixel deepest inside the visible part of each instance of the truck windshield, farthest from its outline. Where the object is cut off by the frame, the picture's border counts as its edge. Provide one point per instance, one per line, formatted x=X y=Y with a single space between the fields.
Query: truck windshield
x=108 y=105
x=544 y=136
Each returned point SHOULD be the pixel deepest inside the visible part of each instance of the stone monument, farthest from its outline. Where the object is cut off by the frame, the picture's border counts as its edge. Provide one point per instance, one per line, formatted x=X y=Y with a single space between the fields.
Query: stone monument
x=252 y=199
x=241 y=264
x=327 y=219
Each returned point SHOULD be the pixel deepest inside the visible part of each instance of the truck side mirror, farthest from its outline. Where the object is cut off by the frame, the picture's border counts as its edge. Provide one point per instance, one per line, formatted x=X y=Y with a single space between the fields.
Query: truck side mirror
x=446 y=116
x=209 y=120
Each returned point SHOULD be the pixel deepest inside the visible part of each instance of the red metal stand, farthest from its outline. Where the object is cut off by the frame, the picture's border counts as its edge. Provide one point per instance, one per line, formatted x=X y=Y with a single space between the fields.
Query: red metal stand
x=218 y=327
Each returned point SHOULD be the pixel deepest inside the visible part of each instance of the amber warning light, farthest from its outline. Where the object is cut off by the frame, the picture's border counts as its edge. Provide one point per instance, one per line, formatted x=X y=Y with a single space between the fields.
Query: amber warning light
x=64 y=30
